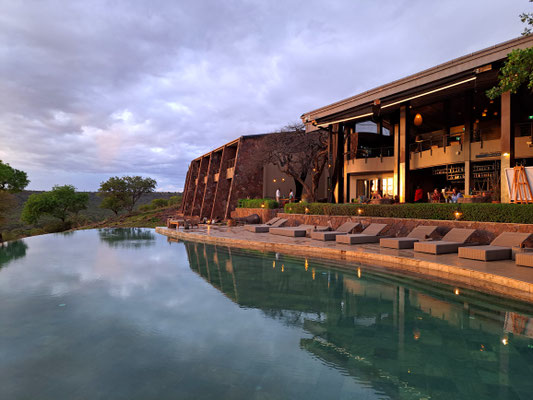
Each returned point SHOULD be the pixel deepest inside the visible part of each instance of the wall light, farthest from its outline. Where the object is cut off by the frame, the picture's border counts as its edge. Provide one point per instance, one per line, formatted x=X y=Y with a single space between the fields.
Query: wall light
x=506 y=154
x=418 y=119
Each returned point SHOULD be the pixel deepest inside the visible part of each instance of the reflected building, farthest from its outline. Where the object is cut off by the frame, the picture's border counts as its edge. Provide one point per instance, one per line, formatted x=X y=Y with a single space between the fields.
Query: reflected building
x=403 y=337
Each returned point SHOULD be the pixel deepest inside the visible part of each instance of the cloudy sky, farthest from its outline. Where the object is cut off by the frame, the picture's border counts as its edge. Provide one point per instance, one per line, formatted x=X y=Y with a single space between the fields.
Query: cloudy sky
x=92 y=89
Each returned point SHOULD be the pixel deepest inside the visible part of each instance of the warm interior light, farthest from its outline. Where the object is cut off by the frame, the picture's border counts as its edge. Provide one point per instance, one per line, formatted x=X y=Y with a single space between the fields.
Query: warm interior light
x=484 y=114
x=306 y=265
x=273 y=180
x=283 y=179
x=418 y=119
x=506 y=154
x=457 y=292
x=359 y=272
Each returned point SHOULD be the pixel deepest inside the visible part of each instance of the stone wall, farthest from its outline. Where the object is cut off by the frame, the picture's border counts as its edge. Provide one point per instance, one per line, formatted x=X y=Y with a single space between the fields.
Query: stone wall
x=487 y=231
x=264 y=213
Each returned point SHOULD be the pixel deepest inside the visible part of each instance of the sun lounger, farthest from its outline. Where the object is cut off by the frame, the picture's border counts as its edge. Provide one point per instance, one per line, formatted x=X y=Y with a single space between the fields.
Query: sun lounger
x=500 y=248
x=450 y=243
x=421 y=232
x=524 y=259
x=297 y=231
x=344 y=229
x=264 y=228
x=369 y=235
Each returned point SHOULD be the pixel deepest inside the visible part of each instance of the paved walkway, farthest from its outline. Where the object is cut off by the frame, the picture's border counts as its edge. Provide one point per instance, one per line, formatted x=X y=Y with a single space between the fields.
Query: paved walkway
x=499 y=277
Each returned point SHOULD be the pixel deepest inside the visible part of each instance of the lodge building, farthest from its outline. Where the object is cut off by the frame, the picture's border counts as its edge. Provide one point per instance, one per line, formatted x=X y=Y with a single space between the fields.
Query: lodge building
x=237 y=170
x=435 y=129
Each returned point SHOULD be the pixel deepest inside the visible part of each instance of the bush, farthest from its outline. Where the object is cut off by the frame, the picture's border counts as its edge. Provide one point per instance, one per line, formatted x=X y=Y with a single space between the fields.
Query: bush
x=175 y=200
x=159 y=203
x=257 y=203
x=145 y=207
x=484 y=212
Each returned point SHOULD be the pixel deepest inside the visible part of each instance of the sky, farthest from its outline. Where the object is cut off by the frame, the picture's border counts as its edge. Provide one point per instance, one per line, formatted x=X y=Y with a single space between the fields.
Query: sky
x=94 y=89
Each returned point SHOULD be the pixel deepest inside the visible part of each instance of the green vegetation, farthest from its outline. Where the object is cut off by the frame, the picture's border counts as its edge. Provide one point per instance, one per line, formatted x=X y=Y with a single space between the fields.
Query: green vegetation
x=123 y=193
x=518 y=69
x=13 y=228
x=61 y=202
x=483 y=212
x=257 y=203
x=12 y=180
x=174 y=201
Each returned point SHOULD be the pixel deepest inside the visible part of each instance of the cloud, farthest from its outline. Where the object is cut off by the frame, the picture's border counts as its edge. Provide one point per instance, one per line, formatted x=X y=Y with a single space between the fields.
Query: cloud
x=94 y=89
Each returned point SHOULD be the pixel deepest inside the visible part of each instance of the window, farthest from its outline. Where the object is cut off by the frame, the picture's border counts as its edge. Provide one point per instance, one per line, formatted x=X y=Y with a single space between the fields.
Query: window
x=387 y=186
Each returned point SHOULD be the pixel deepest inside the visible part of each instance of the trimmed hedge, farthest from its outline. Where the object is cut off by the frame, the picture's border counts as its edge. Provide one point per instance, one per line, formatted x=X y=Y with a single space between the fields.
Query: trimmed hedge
x=256 y=203
x=480 y=212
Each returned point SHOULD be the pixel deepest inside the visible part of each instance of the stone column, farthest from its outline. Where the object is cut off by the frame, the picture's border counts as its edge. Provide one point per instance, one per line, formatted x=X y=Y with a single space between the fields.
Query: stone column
x=199 y=192
x=506 y=144
x=223 y=186
x=210 y=186
x=467 y=134
x=403 y=156
x=396 y=179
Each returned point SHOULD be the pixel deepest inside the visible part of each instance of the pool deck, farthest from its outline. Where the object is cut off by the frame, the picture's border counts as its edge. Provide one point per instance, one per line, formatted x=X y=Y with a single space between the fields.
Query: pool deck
x=499 y=277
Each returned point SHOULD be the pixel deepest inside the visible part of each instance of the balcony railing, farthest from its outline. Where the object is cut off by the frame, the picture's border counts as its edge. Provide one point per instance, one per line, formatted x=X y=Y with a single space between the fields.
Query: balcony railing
x=370 y=152
x=438 y=141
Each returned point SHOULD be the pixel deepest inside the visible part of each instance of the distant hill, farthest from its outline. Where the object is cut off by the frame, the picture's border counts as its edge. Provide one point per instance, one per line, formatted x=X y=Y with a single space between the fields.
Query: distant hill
x=93 y=213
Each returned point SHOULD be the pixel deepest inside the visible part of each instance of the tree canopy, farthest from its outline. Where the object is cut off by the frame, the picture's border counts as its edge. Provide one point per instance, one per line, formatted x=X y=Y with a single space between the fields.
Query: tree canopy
x=11 y=179
x=299 y=154
x=123 y=193
x=518 y=69
x=59 y=203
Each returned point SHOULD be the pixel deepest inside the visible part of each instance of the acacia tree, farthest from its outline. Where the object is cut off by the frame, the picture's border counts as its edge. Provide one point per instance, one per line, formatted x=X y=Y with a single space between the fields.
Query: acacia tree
x=300 y=154
x=123 y=193
x=59 y=203
x=11 y=181
x=518 y=69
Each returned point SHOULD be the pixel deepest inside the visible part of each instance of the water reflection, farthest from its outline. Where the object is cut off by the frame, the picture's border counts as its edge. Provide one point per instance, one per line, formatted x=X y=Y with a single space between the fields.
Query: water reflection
x=127 y=237
x=11 y=251
x=405 y=338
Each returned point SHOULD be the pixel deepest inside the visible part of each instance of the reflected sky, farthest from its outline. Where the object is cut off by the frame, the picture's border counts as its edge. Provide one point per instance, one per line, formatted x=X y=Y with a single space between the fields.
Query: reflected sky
x=85 y=319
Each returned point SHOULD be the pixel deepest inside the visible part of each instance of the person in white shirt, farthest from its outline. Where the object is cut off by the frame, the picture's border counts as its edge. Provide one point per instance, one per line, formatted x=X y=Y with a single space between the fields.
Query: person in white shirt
x=278 y=195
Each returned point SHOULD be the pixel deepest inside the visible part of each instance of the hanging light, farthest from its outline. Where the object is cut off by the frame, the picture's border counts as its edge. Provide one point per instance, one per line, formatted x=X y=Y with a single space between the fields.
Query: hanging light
x=418 y=119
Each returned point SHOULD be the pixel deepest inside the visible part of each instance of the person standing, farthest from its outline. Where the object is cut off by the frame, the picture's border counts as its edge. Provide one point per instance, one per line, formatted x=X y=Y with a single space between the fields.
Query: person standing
x=291 y=196
x=278 y=195
x=419 y=194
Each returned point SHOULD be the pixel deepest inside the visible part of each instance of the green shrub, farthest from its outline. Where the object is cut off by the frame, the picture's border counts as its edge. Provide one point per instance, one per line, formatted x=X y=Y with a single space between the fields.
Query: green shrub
x=57 y=226
x=145 y=207
x=257 y=203
x=159 y=203
x=175 y=200
x=484 y=212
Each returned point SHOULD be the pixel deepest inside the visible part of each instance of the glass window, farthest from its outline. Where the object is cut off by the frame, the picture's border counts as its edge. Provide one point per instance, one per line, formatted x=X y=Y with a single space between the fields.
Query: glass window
x=366 y=127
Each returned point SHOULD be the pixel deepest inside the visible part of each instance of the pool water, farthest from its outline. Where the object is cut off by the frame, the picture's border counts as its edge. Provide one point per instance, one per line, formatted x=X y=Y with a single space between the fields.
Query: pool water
x=128 y=314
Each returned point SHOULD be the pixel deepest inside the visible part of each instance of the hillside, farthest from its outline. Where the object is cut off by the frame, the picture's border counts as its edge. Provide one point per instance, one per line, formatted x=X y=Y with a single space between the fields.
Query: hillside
x=12 y=227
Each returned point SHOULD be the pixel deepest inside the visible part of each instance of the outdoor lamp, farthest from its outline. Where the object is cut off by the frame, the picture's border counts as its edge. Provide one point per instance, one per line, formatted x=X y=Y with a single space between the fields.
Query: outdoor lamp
x=360 y=211
x=306 y=210
x=458 y=214
x=418 y=119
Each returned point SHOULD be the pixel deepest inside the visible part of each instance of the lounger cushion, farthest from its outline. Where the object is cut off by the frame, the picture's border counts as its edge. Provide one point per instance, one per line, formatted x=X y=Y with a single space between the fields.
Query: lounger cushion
x=422 y=232
x=357 y=238
x=486 y=253
x=438 y=247
x=291 y=231
x=458 y=235
x=510 y=239
x=348 y=227
x=326 y=236
x=524 y=259
x=257 y=228
x=398 y=243
x=374 y=229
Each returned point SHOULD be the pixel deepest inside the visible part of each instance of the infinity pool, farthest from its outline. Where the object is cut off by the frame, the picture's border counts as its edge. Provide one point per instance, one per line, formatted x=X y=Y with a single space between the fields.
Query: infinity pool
x=125 y=314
